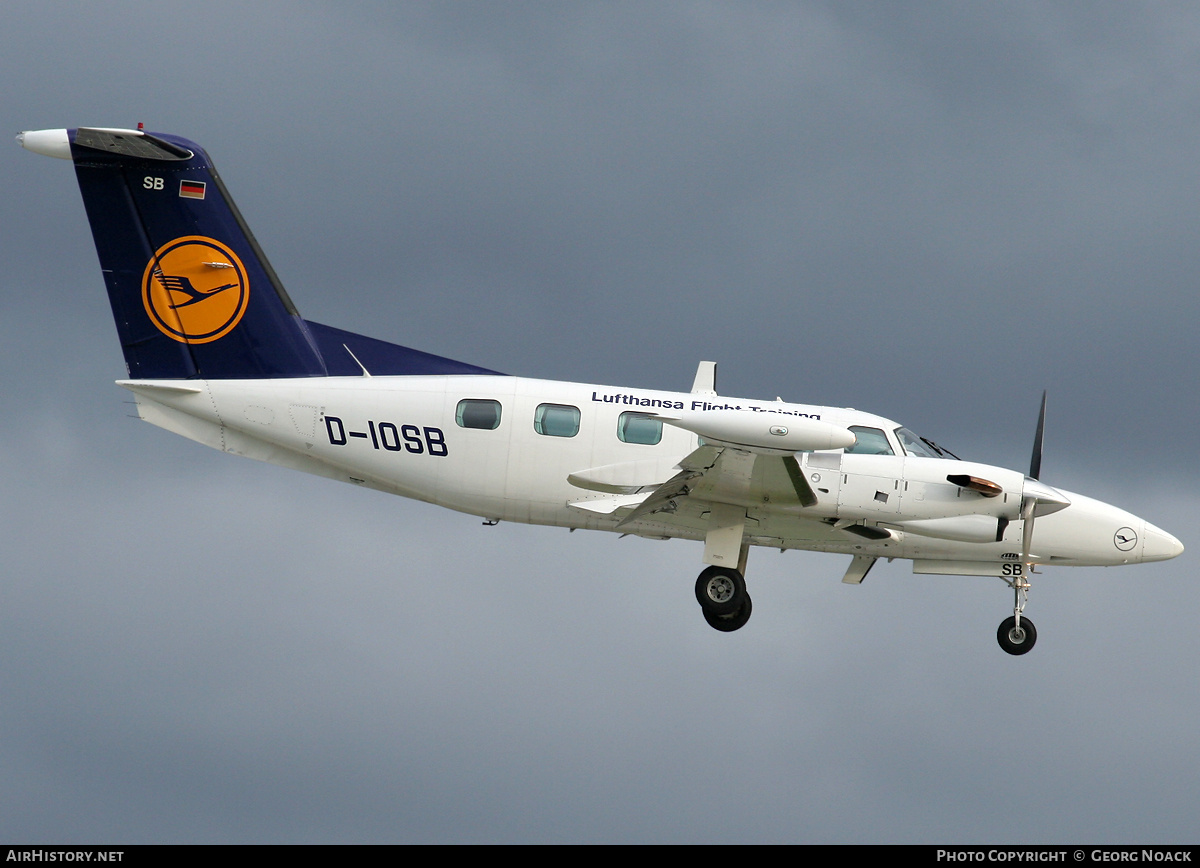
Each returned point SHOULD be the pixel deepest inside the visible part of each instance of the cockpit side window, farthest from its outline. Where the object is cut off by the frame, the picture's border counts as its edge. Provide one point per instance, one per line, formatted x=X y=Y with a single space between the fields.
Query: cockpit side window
x=913 y=444
x=920 y=446
x=871 y=441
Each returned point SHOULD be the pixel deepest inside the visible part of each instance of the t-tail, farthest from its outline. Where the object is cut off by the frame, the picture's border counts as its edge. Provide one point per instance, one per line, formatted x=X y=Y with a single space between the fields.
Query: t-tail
x=191 y=291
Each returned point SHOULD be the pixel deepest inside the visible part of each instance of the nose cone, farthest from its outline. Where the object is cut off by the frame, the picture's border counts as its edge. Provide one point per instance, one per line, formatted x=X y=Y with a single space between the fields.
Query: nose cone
x=1089 y=533
x=1160 y=545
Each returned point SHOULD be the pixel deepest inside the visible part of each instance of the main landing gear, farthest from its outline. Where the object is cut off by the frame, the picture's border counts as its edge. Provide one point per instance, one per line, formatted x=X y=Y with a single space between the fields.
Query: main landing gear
x=1017 y=634
x=721 y=593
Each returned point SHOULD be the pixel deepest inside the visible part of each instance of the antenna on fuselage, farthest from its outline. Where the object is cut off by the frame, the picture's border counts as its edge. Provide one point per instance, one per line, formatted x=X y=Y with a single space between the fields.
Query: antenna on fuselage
x=366 y=373
x=706 y=379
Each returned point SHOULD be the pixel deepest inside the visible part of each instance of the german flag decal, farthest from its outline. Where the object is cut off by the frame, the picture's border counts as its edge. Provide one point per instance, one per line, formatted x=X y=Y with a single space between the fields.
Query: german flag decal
x=191 y=189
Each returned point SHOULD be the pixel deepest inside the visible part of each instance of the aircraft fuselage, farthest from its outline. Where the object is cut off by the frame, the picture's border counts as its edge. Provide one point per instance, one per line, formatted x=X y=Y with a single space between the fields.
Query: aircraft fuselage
x=404 y=435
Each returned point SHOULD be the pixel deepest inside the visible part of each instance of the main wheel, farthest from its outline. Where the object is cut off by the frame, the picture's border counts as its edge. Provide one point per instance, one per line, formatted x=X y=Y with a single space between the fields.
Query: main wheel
x=720 y=591
x=729 y=623
x=1016 y=640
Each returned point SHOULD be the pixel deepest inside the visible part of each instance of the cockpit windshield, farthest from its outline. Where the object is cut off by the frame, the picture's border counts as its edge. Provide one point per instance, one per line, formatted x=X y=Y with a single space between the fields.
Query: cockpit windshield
x=921 y=447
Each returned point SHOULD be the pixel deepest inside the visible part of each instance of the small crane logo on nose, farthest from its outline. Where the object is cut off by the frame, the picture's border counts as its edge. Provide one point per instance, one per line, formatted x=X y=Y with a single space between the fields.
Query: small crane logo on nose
x=1125 y=539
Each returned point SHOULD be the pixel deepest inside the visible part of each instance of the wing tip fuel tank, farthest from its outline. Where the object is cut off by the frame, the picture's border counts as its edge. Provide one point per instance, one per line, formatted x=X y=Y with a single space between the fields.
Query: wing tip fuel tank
x=759 y=431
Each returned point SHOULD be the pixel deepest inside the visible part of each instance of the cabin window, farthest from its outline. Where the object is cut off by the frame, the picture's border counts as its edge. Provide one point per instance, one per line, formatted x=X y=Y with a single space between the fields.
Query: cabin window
x=871 y=441
x=556 y=420
x=639 y=428
x=478 y=413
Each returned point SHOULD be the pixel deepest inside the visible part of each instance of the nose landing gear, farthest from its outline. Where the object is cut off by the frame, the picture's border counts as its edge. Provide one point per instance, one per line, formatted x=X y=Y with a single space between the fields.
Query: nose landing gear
x=1017 y=634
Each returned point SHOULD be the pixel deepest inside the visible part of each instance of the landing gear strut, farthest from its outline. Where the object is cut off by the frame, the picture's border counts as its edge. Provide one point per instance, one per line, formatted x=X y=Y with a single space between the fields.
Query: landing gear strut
x=721 y=593
x=1017 y=634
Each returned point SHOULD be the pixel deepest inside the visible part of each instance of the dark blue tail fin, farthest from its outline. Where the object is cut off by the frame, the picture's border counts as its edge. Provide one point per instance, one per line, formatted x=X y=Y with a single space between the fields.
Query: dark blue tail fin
x=192 y=293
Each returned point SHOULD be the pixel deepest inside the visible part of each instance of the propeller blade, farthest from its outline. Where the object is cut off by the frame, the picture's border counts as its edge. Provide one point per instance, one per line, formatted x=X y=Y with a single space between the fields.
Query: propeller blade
x=1029 y=507
x=1035 y=464
x=1027 y=532
x=1037 y=498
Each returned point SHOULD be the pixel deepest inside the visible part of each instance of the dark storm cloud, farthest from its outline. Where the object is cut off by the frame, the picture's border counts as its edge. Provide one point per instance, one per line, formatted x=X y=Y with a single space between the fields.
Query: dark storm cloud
x=928 y=210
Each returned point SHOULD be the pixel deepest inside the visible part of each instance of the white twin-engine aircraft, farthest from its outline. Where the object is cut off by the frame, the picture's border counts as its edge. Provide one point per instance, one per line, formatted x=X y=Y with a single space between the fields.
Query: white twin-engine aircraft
x=217 y=352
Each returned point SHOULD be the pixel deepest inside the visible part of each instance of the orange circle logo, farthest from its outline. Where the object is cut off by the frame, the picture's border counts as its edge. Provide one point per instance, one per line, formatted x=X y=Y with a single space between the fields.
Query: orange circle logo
x=195 y=289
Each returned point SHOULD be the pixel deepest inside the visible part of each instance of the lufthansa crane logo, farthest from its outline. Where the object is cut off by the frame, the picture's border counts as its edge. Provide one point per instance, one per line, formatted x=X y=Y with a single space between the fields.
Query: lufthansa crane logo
x=1125 y=539
x=195 y=289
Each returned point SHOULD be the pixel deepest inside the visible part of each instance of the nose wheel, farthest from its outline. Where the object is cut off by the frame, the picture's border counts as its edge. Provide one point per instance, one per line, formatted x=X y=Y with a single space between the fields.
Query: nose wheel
x=1016 y=633
x=1016 y=638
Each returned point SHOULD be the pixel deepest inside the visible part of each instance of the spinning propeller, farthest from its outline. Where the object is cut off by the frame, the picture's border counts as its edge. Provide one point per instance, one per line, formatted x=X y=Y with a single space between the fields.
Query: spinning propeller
x=1035 y=471
x=1037 y=497
x=1016 y=634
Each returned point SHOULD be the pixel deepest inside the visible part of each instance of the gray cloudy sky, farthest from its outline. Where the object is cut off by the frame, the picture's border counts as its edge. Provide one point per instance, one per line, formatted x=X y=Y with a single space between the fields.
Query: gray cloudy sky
x=927 y=210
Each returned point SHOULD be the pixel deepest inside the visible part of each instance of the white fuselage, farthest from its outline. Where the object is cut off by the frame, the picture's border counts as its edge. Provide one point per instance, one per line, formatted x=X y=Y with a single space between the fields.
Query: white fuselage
x=405 y=435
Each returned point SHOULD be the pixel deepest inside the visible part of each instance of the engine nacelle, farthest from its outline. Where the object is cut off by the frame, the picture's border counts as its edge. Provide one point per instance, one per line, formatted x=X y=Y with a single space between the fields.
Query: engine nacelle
x=759 y=431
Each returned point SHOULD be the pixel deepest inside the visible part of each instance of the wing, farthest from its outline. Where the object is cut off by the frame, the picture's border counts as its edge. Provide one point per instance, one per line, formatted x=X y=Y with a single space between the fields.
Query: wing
x=724 y=475
x=719 y=494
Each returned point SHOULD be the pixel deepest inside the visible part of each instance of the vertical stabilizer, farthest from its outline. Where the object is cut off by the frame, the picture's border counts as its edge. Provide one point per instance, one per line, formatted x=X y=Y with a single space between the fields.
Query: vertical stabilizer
x=191 y=292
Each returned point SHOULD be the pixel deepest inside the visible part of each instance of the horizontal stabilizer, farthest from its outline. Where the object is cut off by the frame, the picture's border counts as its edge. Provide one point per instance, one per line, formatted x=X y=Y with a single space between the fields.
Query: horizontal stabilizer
x=150 y=389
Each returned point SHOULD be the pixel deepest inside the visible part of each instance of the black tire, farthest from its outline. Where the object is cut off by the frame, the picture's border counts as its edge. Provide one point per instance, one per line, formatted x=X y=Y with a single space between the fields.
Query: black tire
x=720 y=591
x=729 y=623
x=1012 y=641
